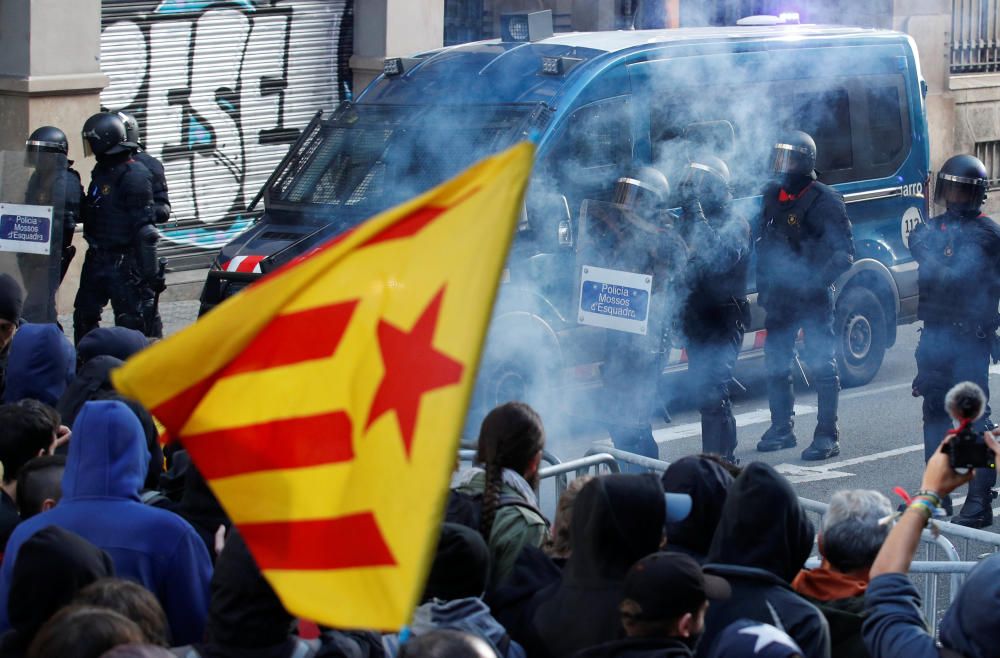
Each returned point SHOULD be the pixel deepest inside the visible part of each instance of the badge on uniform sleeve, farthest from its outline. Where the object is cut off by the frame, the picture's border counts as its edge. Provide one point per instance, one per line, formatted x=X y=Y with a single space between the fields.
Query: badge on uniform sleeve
x=948 y=251
x=105 y=189
x=793 y=220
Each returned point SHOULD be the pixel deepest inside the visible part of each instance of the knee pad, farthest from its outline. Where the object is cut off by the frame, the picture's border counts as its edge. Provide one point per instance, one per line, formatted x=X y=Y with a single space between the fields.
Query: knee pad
x=826 y=380
x=716 y=407
x=130 y=321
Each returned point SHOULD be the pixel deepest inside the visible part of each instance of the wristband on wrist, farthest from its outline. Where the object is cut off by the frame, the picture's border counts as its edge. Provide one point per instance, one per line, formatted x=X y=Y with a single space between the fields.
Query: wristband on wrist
x=934 y=496
x=923 y=506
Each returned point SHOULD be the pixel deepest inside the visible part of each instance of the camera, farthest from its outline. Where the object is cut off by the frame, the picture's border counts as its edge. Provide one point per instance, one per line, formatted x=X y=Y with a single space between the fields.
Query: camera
x=965 y=403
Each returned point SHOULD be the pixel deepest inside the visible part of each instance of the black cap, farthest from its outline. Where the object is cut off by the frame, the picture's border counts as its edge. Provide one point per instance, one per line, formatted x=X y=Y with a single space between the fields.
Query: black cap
x=667 y=585
x=461 y=566
x=11 y=298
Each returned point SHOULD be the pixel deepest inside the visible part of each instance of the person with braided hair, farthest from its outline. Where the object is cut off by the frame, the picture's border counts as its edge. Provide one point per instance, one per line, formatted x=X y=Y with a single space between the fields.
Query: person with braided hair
x=502 y=485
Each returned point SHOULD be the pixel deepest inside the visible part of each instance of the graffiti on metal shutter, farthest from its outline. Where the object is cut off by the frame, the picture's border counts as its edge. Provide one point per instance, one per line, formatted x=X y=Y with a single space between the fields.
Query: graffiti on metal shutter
x=220 y=90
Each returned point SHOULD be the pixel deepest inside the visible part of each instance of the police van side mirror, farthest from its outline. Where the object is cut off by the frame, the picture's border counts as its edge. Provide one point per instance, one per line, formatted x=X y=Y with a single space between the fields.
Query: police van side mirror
x=565 y=234
x=564 y=230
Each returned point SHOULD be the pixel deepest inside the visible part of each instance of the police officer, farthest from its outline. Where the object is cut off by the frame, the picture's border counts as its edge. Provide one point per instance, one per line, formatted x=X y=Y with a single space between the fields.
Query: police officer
x=53 y=183
x=161 y=199
x=715 y=312
x=958 y=253
x=633 y=363
x=804 y=243
x=117 y=210
x=148 y=237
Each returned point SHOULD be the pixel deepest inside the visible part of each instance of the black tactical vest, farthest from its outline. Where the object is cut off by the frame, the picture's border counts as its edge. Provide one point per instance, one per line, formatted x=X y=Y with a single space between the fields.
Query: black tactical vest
x=113 y=214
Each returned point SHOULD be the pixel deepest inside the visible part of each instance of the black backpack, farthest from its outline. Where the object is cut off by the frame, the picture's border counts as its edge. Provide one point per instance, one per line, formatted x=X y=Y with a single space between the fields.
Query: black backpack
x=467 y=509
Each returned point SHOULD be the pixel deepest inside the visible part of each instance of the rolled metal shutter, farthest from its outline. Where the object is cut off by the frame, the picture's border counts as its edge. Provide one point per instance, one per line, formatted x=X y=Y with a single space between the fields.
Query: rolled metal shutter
x=221 y=89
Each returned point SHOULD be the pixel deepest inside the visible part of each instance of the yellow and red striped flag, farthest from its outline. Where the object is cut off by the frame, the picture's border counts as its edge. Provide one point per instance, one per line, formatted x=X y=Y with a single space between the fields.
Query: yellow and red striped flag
x=324 y=404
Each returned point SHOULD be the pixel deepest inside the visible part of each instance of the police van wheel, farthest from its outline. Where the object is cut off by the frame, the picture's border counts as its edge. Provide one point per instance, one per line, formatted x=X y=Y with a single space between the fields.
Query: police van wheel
x=512 y=378
x=862 y=340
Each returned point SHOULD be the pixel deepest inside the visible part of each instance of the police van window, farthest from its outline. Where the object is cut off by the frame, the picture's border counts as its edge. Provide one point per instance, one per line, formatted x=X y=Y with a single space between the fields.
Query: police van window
x=600 y=135
x=373 y=157
x=826 y=115
x=592 y=150
x=753 y=133
x=885 y=123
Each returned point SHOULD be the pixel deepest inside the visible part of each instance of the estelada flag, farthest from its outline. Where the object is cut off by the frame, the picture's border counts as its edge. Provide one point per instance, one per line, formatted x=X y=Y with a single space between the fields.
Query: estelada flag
x=324 y=404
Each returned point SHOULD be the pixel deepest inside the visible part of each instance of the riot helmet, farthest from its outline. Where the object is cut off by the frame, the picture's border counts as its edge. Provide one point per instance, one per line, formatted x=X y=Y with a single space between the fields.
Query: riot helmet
x=794 y=155
x=104 y=134
x=131 y=128
x=644 y=189
x=707 y=178
x=47 y=139
x=961 y=184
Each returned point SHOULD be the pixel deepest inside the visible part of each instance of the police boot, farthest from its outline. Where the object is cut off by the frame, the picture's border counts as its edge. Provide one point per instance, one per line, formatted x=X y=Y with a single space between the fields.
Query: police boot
x=718 y=435
x=826 y=439
x=781 y=399
x=825 y=443
x=977 y=512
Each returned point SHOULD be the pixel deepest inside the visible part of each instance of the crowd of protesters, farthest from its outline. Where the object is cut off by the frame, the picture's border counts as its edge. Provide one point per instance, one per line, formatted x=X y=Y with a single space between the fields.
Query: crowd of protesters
x=112 y=548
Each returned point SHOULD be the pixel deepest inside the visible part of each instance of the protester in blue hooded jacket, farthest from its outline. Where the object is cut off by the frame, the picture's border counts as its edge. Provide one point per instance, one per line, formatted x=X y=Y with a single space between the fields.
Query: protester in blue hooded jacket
x=119 y=342
x=894 y=627
x=42 y=362
x=105 y=469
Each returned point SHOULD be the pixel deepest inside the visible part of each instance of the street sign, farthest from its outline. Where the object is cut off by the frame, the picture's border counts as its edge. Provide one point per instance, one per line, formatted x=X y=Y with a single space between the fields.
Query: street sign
x=25 y=229
x=616 y=300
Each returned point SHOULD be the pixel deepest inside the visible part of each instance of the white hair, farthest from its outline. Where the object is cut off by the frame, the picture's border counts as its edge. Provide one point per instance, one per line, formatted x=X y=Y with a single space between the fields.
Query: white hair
x=852 y=535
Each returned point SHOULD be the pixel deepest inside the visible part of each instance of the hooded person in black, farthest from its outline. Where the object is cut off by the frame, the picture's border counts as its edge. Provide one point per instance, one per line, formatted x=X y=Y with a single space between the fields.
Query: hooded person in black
x=707 y=482
x=52 y=566
x=617 y=520
x=11 y=306
x=762 y=541
x=93 y=382
x=198 y=505
x=245 y=617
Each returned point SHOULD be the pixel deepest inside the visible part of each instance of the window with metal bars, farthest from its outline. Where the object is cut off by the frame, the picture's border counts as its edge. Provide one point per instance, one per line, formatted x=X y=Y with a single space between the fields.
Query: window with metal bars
x=989 y=153
x=975 y=36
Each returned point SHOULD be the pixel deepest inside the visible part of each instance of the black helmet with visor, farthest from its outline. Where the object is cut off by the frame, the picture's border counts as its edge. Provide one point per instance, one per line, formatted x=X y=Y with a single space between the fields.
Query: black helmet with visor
x=643 y=190
x=707 y=178
x=44 y=140
x=794 y=155
x=961 y=184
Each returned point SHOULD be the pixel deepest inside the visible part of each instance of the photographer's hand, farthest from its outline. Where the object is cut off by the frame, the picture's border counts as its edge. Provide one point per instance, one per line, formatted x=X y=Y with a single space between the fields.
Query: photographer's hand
x=901 y=544
x=939 y=476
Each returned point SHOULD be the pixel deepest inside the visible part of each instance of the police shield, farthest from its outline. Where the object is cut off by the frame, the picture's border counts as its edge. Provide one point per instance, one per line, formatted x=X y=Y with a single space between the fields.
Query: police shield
x=627 y=265
x=32 y=199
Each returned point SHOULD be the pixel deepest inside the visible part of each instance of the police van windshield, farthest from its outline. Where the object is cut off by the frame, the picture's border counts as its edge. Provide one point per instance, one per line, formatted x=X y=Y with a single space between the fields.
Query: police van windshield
x=367 y=158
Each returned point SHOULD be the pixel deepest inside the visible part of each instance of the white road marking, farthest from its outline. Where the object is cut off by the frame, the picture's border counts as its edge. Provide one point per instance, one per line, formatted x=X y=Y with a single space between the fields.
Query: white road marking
x=760 y=416
x=875 y=456
x=865 y=392
x=797 y=473
x=690 y=430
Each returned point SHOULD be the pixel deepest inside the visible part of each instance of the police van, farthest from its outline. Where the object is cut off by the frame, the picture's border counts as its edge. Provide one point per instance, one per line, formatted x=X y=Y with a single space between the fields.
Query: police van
x=598 y=104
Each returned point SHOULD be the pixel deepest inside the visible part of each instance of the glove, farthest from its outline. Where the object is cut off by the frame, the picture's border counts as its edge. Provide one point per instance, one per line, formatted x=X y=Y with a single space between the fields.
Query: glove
x=157 y=284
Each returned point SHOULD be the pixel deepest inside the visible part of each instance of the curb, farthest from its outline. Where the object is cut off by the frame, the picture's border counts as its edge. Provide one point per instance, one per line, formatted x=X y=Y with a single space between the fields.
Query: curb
x=185 y=285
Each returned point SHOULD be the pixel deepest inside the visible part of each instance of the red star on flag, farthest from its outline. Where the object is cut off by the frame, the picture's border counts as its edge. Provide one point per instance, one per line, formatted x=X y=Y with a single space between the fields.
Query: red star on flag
x=412 y=368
